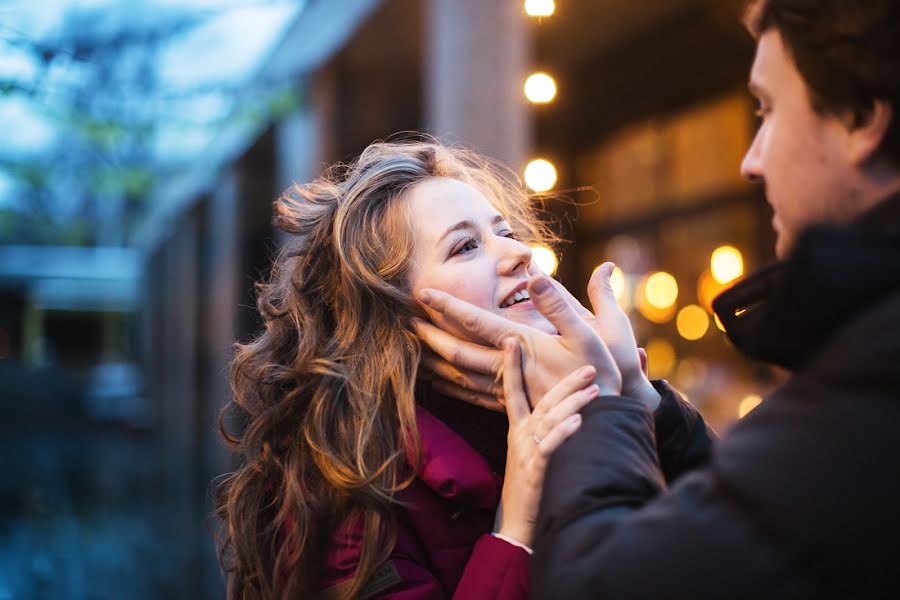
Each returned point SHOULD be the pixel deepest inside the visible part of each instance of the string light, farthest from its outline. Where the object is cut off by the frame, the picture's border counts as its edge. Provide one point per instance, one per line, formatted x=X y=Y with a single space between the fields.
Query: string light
x=660 y=358
x=545 y=258
x=540 y=8
x=540 y=88
x=540 y=175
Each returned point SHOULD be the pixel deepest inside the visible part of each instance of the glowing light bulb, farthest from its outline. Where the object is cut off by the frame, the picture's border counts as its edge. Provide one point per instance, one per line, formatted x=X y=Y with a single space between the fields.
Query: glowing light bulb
x=726 y=264
x=539 y=8
x=540 y=175
x=545 y=258
x=540 y=88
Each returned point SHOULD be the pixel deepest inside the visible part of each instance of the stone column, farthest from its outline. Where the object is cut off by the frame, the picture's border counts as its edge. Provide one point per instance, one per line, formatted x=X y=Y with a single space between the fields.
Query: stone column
x=477 y=55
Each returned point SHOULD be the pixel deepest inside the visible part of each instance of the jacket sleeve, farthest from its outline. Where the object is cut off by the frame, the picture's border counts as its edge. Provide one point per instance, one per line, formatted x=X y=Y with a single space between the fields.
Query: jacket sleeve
x=606 y=530
x=496 y=570
x=683 y=439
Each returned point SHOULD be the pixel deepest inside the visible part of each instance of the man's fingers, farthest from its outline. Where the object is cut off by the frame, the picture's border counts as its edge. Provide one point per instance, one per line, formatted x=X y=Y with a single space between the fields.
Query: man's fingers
x=645 y=363
x=513 y=389
x=600 y=290
x=459 y=353
x=484 y=384
x=572 y=300
x=451 y=390
x=554 y=306
x=484 y=325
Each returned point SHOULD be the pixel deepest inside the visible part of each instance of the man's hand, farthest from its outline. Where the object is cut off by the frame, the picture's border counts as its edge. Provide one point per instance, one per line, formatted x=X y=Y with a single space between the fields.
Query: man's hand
x=547 y=358
x=468 y=371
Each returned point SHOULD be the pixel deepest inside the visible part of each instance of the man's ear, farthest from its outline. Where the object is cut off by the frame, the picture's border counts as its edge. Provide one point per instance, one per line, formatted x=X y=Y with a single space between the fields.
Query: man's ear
x=868 y=132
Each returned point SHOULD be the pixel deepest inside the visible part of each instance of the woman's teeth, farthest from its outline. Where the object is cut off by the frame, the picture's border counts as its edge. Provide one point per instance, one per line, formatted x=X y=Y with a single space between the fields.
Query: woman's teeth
x=517 y=297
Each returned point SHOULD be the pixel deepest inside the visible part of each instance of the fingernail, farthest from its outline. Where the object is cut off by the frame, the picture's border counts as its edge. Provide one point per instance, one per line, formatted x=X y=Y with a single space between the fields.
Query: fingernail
x=587 y=372
x=425 y=297
x=509 y=344
x=593 y=391
x=540 y=285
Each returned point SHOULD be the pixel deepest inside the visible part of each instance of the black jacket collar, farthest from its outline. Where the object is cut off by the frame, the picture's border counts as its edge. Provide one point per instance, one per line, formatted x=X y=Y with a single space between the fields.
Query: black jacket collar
x=785 y=312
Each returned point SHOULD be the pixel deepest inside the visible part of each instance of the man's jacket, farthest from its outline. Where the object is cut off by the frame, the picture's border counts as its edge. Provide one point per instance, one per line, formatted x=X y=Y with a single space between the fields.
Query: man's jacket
x=802 y=498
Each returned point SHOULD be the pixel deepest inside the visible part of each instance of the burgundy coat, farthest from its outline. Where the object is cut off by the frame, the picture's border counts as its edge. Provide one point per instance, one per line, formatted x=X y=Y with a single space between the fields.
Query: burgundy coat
x=444 y=546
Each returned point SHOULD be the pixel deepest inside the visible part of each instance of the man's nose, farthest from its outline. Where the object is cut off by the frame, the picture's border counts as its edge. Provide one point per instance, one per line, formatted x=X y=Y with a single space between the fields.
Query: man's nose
x=751 y=166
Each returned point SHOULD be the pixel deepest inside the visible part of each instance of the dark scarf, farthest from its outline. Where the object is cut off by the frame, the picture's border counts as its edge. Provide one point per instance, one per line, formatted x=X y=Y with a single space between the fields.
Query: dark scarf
x=787 y=311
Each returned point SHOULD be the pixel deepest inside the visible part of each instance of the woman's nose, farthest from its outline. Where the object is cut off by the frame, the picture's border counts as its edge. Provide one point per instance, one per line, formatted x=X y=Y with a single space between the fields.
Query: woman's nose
x=515 y=256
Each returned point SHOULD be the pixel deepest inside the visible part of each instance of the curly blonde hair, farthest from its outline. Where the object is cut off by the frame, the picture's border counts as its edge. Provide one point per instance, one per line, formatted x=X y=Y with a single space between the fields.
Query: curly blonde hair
x=325 y=392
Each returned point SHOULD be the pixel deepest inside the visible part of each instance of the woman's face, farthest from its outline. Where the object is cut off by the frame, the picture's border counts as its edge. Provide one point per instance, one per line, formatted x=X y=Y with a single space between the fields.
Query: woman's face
x=466 y=248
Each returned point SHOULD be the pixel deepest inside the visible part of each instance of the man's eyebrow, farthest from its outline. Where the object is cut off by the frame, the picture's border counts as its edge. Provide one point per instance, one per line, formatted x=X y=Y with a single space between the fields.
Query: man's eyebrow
x=467 y=224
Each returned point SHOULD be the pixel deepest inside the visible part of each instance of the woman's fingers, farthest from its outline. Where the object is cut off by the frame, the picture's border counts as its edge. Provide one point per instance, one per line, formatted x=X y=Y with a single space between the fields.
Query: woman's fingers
x=574 y=381
x=451 y=390
x=563 y=410
x=517 y=408
x=556 y=436
x=467 y=379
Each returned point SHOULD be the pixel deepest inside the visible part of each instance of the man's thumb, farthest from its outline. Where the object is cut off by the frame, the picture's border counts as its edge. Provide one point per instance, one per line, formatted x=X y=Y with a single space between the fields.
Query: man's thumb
x=600 y=289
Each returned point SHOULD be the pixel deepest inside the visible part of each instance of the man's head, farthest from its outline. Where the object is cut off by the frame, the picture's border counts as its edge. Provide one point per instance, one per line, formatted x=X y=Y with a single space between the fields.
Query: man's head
x=827 y=77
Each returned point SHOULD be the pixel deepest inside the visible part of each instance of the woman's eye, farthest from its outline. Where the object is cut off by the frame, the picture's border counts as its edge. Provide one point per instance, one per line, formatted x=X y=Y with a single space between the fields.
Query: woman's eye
x=468 y=245
x=509 y=234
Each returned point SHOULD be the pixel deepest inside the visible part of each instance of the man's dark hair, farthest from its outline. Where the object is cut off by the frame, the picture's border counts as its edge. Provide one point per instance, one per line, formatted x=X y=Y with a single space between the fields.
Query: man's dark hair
x=847 y=51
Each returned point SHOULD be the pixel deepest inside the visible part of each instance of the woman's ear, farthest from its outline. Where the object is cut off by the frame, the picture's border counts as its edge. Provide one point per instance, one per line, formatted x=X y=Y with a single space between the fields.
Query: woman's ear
x=869 y=131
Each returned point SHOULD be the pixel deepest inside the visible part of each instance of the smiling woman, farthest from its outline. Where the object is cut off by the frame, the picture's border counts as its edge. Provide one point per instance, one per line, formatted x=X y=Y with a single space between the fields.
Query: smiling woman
x=355 y=480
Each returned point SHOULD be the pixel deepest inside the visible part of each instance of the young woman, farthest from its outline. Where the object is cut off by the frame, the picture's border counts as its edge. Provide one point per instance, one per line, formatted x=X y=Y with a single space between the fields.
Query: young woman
x=354 y=479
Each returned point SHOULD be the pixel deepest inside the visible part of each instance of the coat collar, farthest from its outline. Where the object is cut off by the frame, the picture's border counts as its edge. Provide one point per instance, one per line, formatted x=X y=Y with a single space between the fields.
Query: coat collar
x=785 y=312
x=451 y=467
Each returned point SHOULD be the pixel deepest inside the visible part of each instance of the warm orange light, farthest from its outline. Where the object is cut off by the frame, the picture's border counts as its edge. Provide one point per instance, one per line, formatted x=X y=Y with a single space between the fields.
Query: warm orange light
x=726 y=264
x=540 y=8
x=617 y=283
x=748 y=404
x=661 y=290
x=660 y=358
x=540 y=175
x=692 y=322
x=707 y=289
x=545 y=258
x=540 y=88
x=649 y=311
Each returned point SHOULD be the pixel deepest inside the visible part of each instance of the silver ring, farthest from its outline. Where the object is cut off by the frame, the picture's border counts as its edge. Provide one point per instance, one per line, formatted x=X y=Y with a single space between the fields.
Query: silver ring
x=536 y=439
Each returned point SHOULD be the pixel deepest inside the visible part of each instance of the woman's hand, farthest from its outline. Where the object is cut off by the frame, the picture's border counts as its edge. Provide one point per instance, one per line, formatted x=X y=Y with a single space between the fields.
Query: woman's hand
x=533 y=436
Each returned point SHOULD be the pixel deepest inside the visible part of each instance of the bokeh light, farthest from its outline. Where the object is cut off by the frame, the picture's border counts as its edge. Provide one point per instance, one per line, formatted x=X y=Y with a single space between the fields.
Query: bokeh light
x=540 y=88
x=707 y=289
x=540 y=175
x=726 y=264
x=545 y=258
x=661 y=290
x=540 y=8
x=748 y=404
x=660 y=358
x=618 y=285
x=692 y=322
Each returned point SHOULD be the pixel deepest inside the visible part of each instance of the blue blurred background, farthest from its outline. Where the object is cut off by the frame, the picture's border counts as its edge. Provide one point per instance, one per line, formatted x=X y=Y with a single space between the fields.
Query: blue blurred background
x=144 y=140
